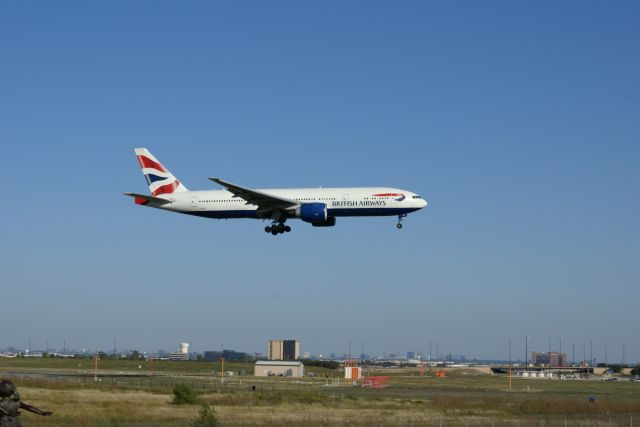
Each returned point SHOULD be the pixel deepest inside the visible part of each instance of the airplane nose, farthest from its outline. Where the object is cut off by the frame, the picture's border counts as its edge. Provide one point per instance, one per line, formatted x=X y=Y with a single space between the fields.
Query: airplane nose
x=423 y=203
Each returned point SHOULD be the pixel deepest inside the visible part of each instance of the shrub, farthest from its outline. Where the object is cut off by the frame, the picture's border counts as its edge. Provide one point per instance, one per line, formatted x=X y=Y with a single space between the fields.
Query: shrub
x=636 y=370
x=184 y=394
x=207 y=417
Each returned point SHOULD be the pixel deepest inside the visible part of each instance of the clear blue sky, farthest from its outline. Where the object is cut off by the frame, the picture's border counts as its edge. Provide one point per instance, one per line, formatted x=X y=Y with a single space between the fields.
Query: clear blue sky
x=519 y=121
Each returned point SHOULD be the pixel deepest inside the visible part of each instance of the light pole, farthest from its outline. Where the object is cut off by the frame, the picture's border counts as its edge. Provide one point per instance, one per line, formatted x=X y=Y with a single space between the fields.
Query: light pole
x=605 y=355
x=623 y=356
x=573 y=354
x=549 y=353
x=526 y=351
x=560 y=352
x=509 y=363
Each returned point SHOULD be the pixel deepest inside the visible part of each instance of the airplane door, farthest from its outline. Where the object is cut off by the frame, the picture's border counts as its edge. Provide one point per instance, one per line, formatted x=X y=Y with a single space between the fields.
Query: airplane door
x=194 y=201
x=345 y=197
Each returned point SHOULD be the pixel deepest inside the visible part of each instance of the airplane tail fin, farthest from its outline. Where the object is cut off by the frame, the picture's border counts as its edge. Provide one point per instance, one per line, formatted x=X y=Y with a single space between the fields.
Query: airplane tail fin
x=160 y=180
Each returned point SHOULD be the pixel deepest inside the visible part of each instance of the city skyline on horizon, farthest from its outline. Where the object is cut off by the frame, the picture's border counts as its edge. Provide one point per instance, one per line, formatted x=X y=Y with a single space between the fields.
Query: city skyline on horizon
x=585 y=352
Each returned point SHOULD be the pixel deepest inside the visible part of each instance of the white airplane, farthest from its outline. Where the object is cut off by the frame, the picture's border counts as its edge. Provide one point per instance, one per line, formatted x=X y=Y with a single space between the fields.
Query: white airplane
x=318 y=206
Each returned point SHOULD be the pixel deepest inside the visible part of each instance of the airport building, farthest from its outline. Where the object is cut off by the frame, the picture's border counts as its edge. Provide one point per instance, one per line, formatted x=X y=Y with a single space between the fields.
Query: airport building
x=183 y=354
x=553 y=359
x=278 y=368
x=284 y=350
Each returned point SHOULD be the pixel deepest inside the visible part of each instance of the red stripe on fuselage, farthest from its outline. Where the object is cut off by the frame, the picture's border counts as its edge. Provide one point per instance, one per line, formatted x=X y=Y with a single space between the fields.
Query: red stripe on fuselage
x=166 y=189
x=388 y=194
x=146 y=162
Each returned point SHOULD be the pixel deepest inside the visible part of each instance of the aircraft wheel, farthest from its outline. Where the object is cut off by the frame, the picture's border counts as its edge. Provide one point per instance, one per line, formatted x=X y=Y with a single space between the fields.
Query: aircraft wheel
x=399 y=226
x=281 y=228
x=267 y=229
x=287 y=228
x=274 y=231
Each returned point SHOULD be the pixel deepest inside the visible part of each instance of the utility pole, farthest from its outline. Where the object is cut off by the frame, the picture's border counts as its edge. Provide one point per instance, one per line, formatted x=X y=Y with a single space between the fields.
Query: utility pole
x=95 y=367
x=573 y=354
x=590 y=352
x=526 y=351
x=623 y=348
x=605 y=355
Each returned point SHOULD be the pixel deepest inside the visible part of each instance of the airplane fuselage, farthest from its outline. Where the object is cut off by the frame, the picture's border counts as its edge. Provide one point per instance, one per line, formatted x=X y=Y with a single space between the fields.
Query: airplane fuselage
x=340 y=202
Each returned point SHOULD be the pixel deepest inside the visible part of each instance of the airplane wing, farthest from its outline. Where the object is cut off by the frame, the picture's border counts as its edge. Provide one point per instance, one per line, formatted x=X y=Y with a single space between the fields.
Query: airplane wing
x=263 y=200
x=143 y=199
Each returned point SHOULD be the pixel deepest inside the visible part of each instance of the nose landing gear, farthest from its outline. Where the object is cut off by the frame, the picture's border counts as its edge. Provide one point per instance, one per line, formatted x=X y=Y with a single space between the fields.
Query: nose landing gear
x=400 y=218
x=277 y=228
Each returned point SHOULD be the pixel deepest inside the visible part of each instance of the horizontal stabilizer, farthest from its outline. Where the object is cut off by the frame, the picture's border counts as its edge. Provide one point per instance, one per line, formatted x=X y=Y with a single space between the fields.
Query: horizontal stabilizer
x=142 y=199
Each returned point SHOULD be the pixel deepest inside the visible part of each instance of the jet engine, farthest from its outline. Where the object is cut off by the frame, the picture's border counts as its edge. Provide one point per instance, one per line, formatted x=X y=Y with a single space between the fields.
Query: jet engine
x=312 y=212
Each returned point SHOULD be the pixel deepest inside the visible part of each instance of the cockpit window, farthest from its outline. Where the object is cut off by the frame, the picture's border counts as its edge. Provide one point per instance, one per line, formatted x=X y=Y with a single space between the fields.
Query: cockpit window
x=416 y=197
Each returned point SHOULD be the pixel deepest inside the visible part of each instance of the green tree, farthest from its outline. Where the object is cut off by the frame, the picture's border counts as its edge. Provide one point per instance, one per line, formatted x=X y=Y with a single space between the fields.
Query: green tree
x=184 y=394
x=207 y=417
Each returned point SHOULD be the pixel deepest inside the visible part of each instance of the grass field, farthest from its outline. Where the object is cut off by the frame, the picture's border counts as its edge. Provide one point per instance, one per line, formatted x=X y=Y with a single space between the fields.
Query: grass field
x=463 y=397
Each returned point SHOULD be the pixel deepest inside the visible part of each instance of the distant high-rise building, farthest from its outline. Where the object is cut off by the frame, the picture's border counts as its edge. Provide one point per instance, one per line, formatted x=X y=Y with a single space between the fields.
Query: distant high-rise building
x=284 y=350
x=411 y=354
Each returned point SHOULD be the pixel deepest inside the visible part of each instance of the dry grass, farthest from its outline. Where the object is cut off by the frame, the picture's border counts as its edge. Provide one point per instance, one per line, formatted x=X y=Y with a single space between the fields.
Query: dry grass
x=89 y=407
x=458 y=399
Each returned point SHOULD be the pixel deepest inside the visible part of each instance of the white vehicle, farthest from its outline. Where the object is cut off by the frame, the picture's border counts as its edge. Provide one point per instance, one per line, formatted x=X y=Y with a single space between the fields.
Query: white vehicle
x=318 y=206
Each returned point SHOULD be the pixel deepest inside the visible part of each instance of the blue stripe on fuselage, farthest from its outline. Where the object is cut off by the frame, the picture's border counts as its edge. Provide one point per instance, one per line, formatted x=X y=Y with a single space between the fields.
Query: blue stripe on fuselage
x=331 y=212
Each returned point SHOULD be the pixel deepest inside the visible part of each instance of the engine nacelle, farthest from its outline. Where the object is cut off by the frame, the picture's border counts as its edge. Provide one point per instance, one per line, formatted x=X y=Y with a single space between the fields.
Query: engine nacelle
x=312 y=212
x=330 y=222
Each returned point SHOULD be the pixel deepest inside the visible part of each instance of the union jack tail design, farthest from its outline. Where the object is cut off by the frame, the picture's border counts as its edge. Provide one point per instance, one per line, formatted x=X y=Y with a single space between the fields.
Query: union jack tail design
x=160 y=180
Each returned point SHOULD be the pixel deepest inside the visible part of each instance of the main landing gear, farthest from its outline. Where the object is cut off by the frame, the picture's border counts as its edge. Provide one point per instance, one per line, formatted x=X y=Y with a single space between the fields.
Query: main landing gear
x=400 y=218
x=277 y=228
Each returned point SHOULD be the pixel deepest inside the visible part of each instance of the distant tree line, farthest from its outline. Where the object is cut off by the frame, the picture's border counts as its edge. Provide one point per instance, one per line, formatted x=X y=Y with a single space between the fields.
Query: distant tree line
x=329 y=364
